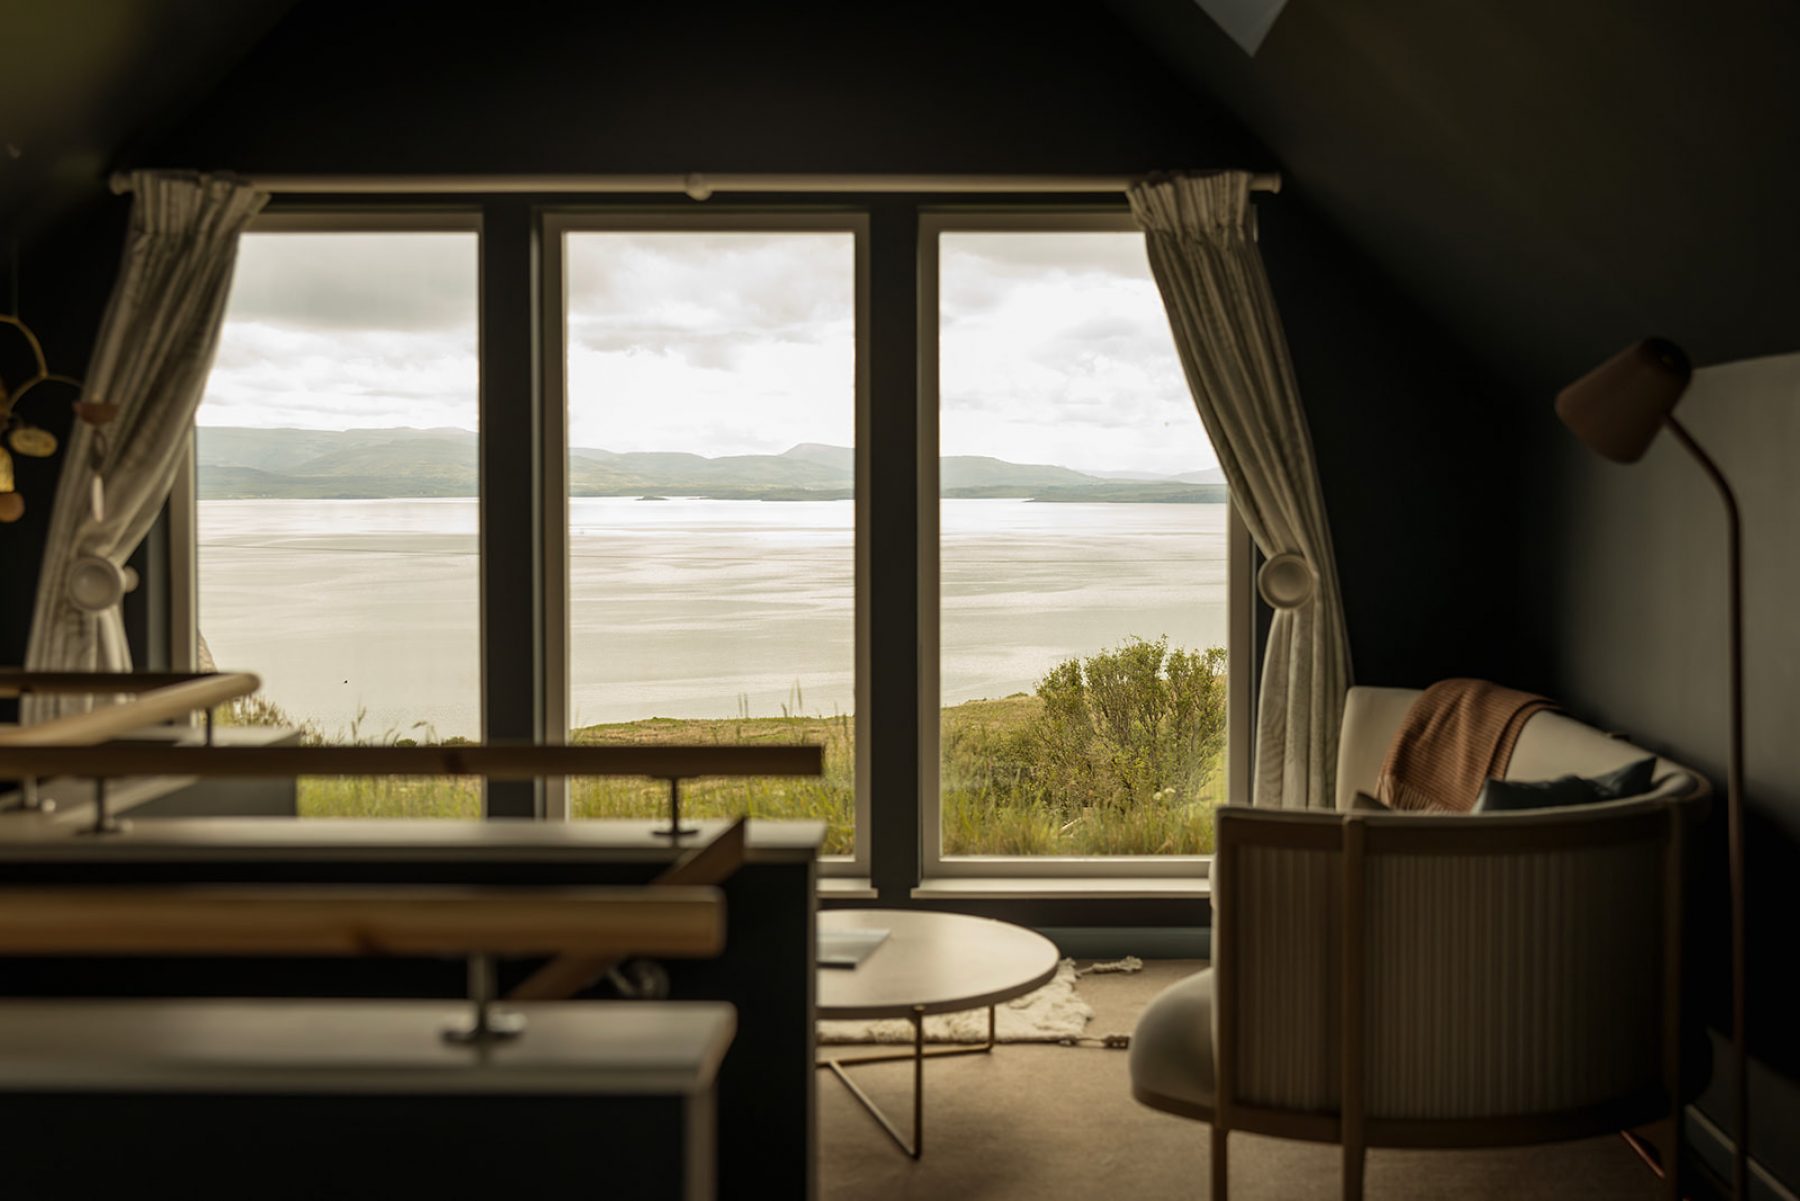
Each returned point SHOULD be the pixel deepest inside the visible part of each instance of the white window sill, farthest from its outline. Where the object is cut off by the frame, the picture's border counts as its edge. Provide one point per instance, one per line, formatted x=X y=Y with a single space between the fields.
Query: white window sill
x=991 y=888
x=847 y=888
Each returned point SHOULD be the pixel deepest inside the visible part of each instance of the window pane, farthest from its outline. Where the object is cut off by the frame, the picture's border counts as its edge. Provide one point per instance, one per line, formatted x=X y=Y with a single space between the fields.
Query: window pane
x=1082 y=556
x=711 y=382
x=337 y=502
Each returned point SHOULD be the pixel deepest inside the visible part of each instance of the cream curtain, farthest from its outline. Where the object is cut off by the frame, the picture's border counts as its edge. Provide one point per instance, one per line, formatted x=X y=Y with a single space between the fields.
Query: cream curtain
x=151 y=359
x=1201 y=236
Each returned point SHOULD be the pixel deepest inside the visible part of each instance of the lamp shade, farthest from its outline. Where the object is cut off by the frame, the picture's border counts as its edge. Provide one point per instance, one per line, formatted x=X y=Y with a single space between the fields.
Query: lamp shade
x=1618 y=407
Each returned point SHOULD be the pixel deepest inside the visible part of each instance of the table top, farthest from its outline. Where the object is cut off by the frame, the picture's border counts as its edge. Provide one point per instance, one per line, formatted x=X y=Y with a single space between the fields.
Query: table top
x=596 y=1048
x=939 y=962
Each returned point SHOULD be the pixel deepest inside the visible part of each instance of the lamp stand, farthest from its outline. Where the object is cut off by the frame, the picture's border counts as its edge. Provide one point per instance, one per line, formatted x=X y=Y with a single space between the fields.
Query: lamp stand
x=1734 y=816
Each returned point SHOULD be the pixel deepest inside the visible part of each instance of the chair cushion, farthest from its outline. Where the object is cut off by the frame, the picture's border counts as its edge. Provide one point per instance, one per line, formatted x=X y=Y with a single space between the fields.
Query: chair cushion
x=1550 y=745
x=1503 y=796
x=1172 y=1049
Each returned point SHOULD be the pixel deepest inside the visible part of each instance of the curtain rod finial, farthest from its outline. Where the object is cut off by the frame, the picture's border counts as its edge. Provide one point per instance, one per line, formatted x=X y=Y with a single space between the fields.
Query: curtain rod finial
x=119 y=182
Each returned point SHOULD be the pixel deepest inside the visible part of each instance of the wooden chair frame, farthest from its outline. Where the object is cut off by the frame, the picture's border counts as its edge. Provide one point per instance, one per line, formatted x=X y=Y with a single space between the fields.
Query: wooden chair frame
x=1353 y=836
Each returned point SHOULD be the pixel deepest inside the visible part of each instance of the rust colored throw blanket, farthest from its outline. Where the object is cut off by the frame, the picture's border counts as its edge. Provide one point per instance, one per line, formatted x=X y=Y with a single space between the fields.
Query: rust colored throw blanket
x=1458 y=735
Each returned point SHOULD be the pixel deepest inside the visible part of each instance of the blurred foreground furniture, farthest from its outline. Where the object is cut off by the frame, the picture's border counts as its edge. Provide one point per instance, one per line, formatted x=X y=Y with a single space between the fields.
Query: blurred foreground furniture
x=766 y=1088
x=162 y=719
x=1436 y=980
x=368 y=1098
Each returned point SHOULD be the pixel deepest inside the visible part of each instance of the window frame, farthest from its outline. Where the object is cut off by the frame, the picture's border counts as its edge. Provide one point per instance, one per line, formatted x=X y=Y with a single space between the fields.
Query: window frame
x=528 y=229
x=1240 y=576
x=555 y=223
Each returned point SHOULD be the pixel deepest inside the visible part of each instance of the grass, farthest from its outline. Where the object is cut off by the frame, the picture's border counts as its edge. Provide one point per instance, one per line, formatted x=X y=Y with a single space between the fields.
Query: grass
x=994 y=803
x=389 y=796
x=363 y=796
x=830 y=797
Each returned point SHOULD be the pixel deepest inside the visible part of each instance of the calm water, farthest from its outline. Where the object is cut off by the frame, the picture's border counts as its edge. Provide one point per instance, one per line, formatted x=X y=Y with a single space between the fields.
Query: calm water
x=680 y=608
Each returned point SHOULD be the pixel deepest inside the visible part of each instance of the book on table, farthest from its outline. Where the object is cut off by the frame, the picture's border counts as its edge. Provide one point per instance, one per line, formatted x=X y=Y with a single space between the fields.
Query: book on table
x=847 y=948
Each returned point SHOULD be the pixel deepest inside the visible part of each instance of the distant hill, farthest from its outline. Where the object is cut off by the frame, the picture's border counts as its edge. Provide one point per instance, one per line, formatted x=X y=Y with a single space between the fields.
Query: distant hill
x=1212 y=475
x=840 y=457
x=1152 y=492
x=956 y=472
x=1127 y=475
x=253 y=464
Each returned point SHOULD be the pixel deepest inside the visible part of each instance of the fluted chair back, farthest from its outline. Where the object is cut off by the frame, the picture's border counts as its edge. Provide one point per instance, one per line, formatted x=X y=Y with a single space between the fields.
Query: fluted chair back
x=1428 y=979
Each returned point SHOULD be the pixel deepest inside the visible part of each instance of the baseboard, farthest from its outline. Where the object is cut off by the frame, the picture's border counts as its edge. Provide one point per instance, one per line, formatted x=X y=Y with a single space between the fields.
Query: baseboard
x=1146 y=942
x=1708 y=1174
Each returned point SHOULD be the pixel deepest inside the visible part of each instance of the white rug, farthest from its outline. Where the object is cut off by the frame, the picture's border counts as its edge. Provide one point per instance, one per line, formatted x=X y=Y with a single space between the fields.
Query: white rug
x=1054 y=1013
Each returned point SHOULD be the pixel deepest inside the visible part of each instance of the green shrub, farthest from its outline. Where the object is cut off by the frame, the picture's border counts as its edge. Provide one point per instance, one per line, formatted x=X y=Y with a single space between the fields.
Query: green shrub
x=1129 y=727
x=1121 y=754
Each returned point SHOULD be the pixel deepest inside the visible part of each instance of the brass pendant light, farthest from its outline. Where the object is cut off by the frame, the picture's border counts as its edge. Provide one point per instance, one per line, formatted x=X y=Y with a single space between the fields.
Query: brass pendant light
x=18 y=435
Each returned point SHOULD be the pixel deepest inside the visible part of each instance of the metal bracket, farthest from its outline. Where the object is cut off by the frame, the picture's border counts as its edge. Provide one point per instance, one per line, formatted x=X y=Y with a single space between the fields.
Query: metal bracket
x=487 y=1024
x=104 y=822
x=675 y=831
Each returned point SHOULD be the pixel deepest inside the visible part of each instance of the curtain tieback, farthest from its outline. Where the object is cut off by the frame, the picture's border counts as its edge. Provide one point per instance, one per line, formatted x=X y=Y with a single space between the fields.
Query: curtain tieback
x=1287 y=580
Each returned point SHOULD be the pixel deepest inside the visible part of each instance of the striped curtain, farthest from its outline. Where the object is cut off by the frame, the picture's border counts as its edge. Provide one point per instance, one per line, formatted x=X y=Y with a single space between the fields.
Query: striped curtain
x=151 y=359
x=1200 y=235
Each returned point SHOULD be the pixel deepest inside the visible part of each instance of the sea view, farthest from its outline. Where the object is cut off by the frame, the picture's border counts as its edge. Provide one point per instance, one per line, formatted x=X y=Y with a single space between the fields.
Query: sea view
x=680 y=607
x=710 y=403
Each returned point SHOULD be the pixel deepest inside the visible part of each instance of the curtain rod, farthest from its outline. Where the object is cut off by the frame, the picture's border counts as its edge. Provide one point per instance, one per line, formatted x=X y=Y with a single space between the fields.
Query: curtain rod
x=695 y=185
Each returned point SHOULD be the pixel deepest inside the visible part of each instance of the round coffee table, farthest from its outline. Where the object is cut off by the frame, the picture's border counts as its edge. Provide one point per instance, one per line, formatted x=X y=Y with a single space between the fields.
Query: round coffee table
x=929 y=963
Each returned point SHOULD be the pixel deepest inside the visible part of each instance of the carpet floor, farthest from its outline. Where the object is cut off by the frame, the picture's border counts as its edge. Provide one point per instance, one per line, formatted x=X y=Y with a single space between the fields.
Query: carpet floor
x=1036 y=1123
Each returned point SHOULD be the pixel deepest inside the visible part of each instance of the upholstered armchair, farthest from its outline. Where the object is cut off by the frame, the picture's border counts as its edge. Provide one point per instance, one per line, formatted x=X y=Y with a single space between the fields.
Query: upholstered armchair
x=1430 y=980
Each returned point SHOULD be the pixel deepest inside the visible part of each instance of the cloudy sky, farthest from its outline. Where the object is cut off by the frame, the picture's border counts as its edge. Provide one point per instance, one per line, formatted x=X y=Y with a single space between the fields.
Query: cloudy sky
x=1054 y=346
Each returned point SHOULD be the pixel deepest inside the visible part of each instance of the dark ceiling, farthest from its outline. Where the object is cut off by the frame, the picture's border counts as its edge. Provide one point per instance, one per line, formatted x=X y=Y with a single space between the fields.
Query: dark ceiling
x=1552 y=178
x=80 y=80
x=1549 y=178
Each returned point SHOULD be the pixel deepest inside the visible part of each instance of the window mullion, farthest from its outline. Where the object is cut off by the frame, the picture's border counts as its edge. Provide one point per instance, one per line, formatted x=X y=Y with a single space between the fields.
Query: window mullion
x=511 y=471
x=895 y=758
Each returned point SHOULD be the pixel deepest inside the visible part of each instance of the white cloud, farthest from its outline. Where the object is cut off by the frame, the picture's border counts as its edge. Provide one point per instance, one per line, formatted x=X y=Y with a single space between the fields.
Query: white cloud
x=287 y=375
x=736 y=343
x=357 y=281
x=1055 y=347
x=342 y=331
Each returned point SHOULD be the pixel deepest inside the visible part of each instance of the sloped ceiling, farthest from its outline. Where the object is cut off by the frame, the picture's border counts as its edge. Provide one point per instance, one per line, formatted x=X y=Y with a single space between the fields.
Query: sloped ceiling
x=1553 y=179
x=80 y=79
x=1550 y=179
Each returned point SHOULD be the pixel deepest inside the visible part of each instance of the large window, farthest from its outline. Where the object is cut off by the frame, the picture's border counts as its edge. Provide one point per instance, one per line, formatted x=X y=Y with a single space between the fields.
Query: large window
x=336 y=503
x=711 y=472
x=618 y=473
x=1083 y=607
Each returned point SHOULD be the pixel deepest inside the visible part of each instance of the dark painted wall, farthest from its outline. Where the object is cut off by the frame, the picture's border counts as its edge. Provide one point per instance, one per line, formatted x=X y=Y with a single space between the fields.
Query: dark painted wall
x=80 y=78
x=798 y=86
x=1638 y=574
x=938 y=87
x=1556 y=180
x=1549 y=176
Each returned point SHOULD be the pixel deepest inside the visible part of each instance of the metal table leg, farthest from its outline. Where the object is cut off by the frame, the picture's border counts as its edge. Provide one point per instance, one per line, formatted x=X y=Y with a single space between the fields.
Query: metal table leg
x=918 y=1055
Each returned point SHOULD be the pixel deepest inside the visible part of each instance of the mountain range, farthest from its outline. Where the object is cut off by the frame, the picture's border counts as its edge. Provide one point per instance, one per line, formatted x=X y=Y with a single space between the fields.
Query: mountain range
x=239 y=463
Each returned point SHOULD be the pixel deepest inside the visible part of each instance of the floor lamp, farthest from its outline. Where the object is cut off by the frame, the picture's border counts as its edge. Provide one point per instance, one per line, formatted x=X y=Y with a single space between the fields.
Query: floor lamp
x=1617 y=410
